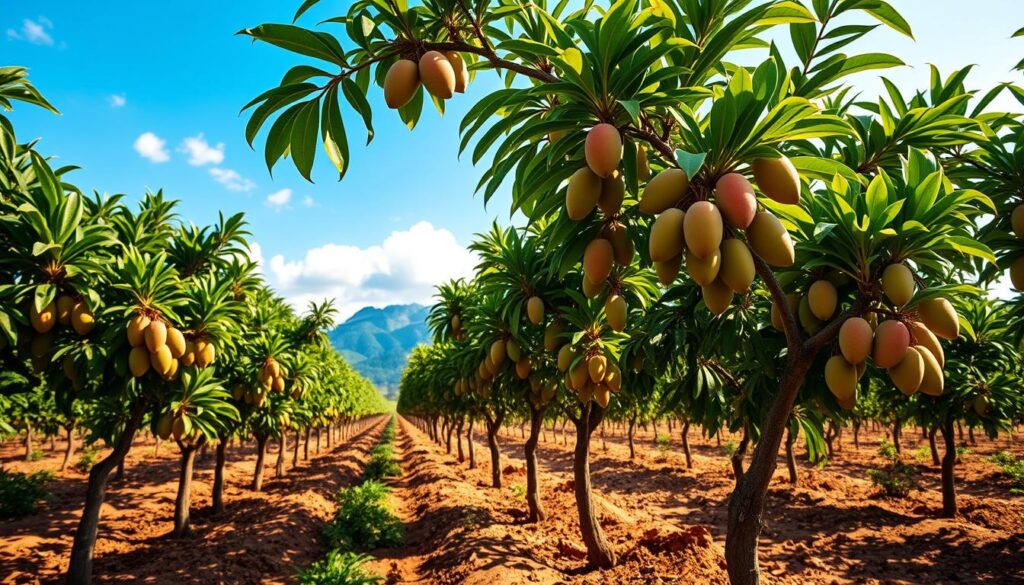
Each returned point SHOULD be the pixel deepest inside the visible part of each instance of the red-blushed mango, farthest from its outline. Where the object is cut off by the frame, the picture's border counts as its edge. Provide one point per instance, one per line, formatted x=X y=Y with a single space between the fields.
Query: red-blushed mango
x=613 y=378
x=778 y=179
x=617 y=233
x=592 y=290
x=582 y=194
x=156 y=336
x=898 y=284
x=615 y=310
x=461 y=71
x=855 y=340
x=892 y=338
x=643 y=169
x=663 y=191
x=704 y=271
x=535 y=310
x=735 y=197
x=668 y=270
x=176 y=343
x=793 y=300
x=597 y=366
x=1017 y=274
x=497 y=353
x=401 y=83
x=82 y=319
x=921 y=336
x=137 y=330
x=43 y=321
x=737 y=271
x=64 y=306
x=1017 y=220
x=909 y=373
x=666 y=241
x=161 y=360
x=861 y=368
x=437 y=74
x=840 y=377
x=822 y=298
x=603 y=149
x=613 y=191
x=717 y=296
x=808 y=321
x=597 y=260
x=523 y=368
x=602 y=395
x=565 y=357
x=553 y=335
x=702 y=229
x=770 y=240
x=940 y=317
x=578 y=375
x=933 y=383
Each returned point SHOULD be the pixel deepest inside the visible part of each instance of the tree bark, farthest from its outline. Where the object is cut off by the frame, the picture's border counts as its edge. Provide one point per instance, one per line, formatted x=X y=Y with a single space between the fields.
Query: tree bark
x=218 y=476
x=686 y=445
x=632 y=426
x=469 y=445
x=70 y=450
x=28 y=442
x=183 y=501
x=537 y=513
x=856 y=435
x=931 y=445
x=80 y=565
x=737 y=457
x=295 y=449
x=493 y=426
x=599 y=551
x=458 y=439
x=305 y=445
x=261 y=461
x=896 y=435
x=746 y=504
x=282 y=447
x=949 y=508
x=790 y=459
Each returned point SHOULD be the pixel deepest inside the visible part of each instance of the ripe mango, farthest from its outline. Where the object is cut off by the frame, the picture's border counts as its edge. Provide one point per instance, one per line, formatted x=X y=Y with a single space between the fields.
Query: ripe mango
x=137 y=329
x=461 y=71
x=898 y=284
x=940 y=317
x=165 y=425
x=553 y=336
x=565 y=357
x=176 y=342
x=189 y=357
x=65 y=304
x=205 y=353
x=922 y=337
x=43 y=321
x=821 y=297
x=613 y=192
x=523 y=368
x=615 y=310
x=535 y=310
x=735 y=198
x=178 y=428
x=401 y=83
x=437 y=75
x=592 y=290
x=909 y=373
x=808 y=321
x=82 y=319
x=892 y=338
x=138 y=361
x=161 y=360
x=622 y=245
x=737 y=271
x=579 y=375
x=156 y=336
x=840 y=377
x=602 y=395
x=279 y=383
x=1017 y=274
x=777 y=178
x=702 y=229
x=513 y=351
x=597 y=365
x=770 y=240
x=663 y=191
x=981 y=404
x=668 y=270
x=597 y=260
x=1017 y=220
x=855 y=340
x=704 y=271
x=498 y=353
x=613 y=377
x=933 y=382
x=603 y=149
x=582 y=194
x=717 y=296
x=667 y=241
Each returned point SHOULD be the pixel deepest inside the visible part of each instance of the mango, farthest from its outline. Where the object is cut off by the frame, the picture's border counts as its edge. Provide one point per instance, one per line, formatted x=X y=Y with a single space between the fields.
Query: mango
x=613 y=192
x=165 y=425
x=613 y=378
x=461 y=71
x=535 y=309
x=65 y=304
x=497 y=353
x=702 y=229
x=717 y=296
x=138 y=361
x=735 y=198
x=553 y=335
x=822 y=298
x=189 y=357
x=579 y=375
x=667 y=241
x=161 y=360
x=855 y=338
x=592 y=290
x=940 y=317
x=82 y=319
x=1017 y=220
x=808 y=320
x=137 y=330
x=582 y=194
x=777 y=178
x=1017 y=274
x=737 y=271
x=178 y=428
x=565 y=357
x=603 y=149
x=840 y=377
x=933 y=382
x=898 y=284
x=622 y=245
x=980 y=405
x=921 y=336
x=43 y=321
x=908 y=374
x=668 y=270
x=770 y=240
x=663 y=191
x=41 y=345
x=523 y=368
x=615 y=310
x=597 y=260
x=704 y=271
x=401 y=83
x=892 y=338
x=513 y=351
x=156 y=336
x=597 y=365
x=176 y=342
x=437 y=75
x=602 y=395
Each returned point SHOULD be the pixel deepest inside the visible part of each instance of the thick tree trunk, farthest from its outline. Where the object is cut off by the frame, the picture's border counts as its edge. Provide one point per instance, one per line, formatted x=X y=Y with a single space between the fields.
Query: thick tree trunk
x=469 y=445
x=746 y=505
x=537 y=513
x=790 y=459
x=295 y=449
x=183 y=501
x=599 y=551
x=80 y=566
x=931 y=445
x=458 y=439
x=856 y=435
x=686 y=445
x=970 y=435
x=949 y=508
x=261 y=461
x=218 y=476
x=493 y=426
x=282 y=448
x=896 y=435
x=319 y=431
x=70 y=450
x=119 y=474
x=632 y=427
x=28 y=442
x=305 y=445
x=447 y=429
x=738 y=455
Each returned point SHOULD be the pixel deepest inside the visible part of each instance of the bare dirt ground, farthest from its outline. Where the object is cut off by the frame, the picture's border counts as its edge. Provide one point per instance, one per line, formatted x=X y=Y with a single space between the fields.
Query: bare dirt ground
x=261 y=538
x=666 y=522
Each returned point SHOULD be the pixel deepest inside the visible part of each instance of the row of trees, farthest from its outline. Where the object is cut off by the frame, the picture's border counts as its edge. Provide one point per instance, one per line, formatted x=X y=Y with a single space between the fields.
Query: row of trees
x=628 y=133
x=117 y=318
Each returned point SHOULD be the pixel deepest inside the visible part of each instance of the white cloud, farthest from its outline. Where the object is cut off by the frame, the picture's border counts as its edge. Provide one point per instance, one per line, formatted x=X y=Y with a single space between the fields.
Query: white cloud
x=151 y=147
x=308 y=201
x=33 y=31
x=404 y=268
x=232 y=180
x=200 y=152
x=117 y=101
x=279 y=199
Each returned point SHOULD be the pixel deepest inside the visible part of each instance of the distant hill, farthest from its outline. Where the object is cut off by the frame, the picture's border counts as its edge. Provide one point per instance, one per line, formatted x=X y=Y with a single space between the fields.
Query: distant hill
x=377 y=342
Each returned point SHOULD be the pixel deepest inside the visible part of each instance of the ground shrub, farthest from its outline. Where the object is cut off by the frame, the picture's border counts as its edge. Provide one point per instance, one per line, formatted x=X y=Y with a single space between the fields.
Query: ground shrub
x=896 y=479
x=1012 y=467
x=363 y=520
x=340 y=568
x=20 y=493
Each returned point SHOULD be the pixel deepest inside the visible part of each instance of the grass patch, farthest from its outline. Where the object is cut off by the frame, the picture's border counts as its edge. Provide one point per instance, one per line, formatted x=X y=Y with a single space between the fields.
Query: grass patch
x=340 y=568
x=382 y=463
x=20 y=493
x=86 y=459
x=1013 y=467
x=363 y=520
x=897 y=479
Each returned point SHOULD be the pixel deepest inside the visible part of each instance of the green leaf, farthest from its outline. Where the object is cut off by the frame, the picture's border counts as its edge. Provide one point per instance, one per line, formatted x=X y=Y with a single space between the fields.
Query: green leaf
x=888 y=16
x=690 y=162
x=303 y=143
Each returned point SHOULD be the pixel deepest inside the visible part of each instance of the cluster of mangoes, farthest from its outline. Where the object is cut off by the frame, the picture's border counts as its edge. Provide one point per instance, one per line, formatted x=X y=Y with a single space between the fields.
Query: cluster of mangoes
x=443 y=74
x=163 y=348
x=721 y=265
x=174 y=424
x=457 y=331
x=65 y=310
x=272 y=375
x=592 y=376
x=906 y=344
x=1017 y=266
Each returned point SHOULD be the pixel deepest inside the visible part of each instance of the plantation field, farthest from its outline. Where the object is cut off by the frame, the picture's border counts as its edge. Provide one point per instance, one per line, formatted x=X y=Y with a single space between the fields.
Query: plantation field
x=668 y=521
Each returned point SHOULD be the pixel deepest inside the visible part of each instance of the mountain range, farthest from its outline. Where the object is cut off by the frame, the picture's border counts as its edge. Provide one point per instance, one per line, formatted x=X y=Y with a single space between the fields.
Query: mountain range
x=377 y=342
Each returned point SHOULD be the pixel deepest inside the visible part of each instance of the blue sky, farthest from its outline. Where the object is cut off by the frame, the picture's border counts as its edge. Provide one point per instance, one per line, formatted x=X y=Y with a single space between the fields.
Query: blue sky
x=135 y=78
